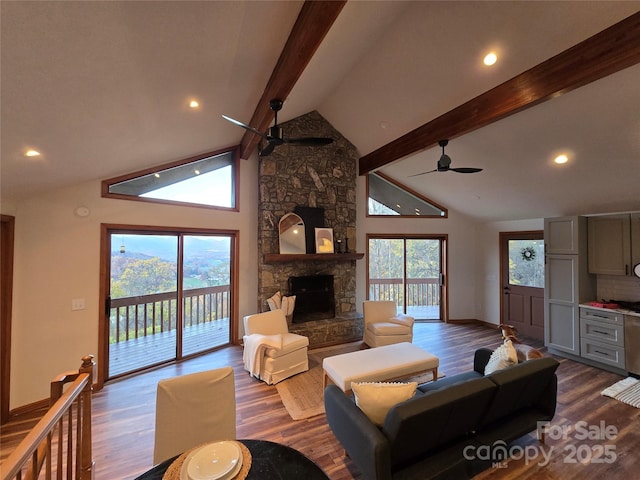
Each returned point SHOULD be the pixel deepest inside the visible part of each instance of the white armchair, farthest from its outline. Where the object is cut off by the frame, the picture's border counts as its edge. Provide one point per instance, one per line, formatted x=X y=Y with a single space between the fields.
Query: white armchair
x=384 y=326
x=271 y=352
x=194 y=409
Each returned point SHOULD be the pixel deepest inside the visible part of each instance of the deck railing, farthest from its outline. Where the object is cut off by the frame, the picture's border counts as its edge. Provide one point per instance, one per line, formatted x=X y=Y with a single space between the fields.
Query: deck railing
x=421 y=292
x=135 y=317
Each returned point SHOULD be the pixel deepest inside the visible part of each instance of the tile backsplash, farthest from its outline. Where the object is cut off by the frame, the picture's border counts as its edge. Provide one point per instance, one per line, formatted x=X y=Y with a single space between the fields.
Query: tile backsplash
x=618 y=288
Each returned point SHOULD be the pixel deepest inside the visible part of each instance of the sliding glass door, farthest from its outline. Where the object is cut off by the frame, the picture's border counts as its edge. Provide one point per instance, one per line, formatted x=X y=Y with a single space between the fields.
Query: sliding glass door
x=409 y=271
x=206 y=282
x=169 y=297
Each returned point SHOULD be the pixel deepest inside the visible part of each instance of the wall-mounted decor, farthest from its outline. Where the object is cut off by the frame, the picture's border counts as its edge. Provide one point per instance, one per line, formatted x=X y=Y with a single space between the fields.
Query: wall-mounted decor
x=324 y=240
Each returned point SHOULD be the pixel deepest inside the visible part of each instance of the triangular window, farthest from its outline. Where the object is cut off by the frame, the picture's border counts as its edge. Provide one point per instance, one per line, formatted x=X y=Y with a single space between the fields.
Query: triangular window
x=386 y=197
x=206 y=180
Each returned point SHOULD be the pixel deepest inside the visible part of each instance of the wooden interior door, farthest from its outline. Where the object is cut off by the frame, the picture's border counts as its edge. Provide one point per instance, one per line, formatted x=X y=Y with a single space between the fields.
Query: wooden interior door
x=6 y=293
x=522 y=282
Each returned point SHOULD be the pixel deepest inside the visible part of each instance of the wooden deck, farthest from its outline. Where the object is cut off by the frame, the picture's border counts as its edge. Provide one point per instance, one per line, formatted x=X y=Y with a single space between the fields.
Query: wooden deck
x=424 y=312
x=142 y=352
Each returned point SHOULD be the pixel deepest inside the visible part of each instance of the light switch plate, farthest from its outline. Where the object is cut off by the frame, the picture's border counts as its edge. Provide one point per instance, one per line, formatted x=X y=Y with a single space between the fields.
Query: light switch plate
x=77 y=304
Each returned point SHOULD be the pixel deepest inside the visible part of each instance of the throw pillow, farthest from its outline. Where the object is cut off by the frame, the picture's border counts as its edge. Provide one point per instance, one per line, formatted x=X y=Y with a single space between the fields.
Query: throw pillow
x=275 y=302
x=288 y=304
x=376 y=398
x=502 y=357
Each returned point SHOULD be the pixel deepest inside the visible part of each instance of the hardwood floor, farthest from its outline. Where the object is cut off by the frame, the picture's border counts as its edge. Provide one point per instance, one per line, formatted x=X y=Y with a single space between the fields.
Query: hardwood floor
x=123 y=417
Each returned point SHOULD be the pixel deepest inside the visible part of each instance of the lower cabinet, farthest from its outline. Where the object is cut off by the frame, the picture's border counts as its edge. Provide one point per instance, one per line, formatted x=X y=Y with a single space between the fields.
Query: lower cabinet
x=602 y=337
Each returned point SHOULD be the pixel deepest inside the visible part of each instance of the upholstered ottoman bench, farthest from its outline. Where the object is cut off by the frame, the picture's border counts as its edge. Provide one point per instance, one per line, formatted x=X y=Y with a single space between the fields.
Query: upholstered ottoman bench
x=389 y=362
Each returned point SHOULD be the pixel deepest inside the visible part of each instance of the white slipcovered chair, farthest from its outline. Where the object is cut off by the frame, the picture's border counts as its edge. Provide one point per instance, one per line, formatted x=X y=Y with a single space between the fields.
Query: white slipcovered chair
x=383 y=325
x=194 y=409
x=271 y=352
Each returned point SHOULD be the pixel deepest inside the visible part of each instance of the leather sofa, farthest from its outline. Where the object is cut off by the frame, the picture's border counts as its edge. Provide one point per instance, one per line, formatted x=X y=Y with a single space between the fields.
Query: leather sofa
x=437 y=433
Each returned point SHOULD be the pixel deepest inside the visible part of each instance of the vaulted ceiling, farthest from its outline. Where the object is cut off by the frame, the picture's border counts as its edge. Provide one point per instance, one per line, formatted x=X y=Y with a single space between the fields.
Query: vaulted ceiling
x=102 y=88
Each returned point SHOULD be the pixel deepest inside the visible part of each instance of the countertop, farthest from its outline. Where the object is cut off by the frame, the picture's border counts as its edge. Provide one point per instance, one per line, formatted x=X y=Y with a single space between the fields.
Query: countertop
x=617 y=310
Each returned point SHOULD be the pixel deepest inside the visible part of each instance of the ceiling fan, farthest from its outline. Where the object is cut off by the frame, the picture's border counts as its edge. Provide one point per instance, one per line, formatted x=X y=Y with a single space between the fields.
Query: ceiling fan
x=444 y=163
x=275 y=135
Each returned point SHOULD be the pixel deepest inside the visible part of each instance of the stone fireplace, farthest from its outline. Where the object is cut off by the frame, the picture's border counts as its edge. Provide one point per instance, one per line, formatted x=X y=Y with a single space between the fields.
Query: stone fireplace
x=318 y=177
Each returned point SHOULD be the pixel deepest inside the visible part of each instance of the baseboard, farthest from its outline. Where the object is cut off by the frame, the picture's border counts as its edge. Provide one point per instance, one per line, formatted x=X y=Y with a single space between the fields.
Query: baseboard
x=465 y=321
x=29 y=408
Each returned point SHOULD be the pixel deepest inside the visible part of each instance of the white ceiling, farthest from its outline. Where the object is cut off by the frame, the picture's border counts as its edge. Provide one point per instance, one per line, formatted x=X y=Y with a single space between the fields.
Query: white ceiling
x=101 y=88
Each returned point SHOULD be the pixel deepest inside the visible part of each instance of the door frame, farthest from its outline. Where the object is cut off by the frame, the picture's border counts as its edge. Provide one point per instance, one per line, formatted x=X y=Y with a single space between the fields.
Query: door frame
x=7 y=240
x=504 y=238
x=105 y=268
x=444 y=264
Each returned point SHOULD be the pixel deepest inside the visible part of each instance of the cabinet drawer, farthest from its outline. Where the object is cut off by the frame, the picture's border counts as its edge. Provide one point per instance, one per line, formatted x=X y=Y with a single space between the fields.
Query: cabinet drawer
x=602 y=353
x=602 y=315
x=602 y=331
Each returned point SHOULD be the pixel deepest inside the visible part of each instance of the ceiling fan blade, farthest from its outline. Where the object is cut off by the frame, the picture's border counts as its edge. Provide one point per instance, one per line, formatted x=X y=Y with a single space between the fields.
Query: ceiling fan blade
x=466 y=170
x=267 y=150
x=240 y=124
x=309 y=141
x=423 y=173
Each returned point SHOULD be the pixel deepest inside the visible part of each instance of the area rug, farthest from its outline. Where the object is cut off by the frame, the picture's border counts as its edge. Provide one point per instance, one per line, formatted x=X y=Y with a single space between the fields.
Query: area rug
x=302 y=394
x=625 y=391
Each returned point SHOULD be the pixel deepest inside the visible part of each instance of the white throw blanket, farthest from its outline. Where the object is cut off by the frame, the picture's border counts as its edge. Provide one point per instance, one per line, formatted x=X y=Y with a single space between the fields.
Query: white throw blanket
x=254 y=348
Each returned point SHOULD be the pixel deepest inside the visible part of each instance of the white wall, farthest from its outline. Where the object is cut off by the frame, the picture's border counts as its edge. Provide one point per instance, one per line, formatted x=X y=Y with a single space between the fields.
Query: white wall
x=57 y=260
x=487 y=247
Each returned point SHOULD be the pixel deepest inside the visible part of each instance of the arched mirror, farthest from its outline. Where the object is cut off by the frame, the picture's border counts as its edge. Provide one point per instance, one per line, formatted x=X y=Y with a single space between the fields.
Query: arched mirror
x=291 y=232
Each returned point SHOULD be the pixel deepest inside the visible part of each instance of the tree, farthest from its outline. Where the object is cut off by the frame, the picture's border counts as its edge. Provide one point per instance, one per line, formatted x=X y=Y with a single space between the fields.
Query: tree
x=144 y=277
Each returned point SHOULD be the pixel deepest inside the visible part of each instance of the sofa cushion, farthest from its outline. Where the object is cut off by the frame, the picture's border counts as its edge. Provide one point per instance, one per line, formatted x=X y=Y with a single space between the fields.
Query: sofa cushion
x=502 y=357
x=376 y=398
x=433 y=419
x=388 y=328
x=521 y=386
x=447 y=382
x=290 y=343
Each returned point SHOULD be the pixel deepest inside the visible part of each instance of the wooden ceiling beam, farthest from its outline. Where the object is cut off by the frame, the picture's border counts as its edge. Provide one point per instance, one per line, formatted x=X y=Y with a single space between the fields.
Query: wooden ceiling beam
x=605 y=53
x=313 y=22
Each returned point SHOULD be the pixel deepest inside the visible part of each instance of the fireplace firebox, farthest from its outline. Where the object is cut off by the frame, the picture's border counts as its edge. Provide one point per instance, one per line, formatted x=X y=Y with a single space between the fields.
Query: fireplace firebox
x=314 y=298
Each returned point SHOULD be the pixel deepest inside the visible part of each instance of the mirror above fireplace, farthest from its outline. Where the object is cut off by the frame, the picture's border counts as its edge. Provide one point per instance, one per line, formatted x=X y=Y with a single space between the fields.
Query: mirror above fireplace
x=291 y=234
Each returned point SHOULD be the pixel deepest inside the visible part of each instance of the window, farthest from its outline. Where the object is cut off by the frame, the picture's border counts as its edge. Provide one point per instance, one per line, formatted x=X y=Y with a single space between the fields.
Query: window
x=206 y=180
x=526 y=263
x=386 y=197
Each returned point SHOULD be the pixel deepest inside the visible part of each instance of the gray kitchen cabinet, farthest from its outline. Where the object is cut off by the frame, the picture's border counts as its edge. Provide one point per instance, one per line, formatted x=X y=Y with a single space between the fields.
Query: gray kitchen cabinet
x=567 y=282
x=562 y=235
x=614 y=244
x=602 y=336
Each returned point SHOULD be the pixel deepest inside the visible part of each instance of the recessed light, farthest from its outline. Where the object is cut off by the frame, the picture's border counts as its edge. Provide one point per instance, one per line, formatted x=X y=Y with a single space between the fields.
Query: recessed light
x=490 y=58
x=32 y=153
x=560 y=159
x=194 y=104
x=157 y=175
x=197 y=172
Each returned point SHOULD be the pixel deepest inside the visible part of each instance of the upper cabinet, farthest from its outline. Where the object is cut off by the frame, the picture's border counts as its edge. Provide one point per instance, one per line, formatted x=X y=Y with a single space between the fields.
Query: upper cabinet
x=614 y=244
x=564 y=235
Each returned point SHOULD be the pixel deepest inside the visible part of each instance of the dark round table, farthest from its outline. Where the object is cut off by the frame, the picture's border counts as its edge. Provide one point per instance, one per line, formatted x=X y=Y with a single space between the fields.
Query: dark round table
x=269 y=461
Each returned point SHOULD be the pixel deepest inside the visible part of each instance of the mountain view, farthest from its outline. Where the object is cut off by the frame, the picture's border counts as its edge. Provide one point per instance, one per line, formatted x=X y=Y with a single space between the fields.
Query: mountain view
x=147 y=264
